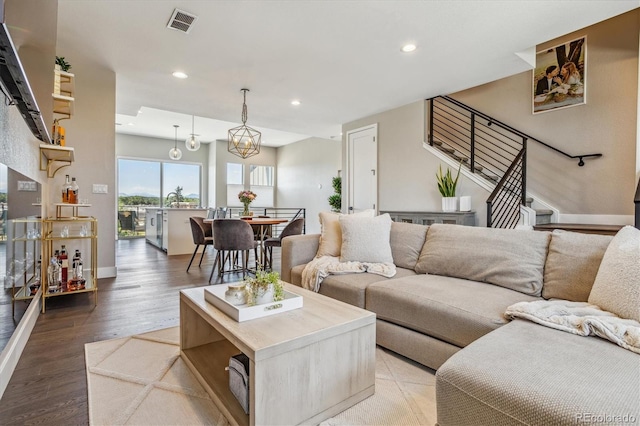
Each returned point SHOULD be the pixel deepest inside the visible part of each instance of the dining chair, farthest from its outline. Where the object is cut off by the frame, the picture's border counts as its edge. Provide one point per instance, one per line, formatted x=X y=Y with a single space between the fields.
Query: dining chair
x=232 y=236
x=293 y=228
x=202 y=235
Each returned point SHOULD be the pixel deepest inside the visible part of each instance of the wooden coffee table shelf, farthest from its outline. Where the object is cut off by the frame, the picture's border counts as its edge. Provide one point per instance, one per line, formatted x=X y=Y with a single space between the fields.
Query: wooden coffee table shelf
x=306 y=365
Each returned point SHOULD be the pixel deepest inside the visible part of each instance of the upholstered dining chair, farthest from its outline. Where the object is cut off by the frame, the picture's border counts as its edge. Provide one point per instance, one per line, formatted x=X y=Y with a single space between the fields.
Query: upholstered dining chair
x=293 y=228
x=202 y=235
x=232 y=236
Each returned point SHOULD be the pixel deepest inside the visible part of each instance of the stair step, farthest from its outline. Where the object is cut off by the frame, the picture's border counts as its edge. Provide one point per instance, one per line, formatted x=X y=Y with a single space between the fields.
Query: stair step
x=543 y=216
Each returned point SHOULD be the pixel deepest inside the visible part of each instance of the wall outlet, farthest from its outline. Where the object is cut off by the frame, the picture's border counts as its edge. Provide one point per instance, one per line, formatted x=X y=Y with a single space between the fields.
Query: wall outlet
x=100 y=189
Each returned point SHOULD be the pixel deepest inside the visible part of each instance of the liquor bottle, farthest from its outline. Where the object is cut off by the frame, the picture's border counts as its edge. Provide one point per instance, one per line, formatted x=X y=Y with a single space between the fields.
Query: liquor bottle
x=64 y=267
x=78 y=282
x=53 y=272
x=36 y=281
x=73 y=192
x=65 y=189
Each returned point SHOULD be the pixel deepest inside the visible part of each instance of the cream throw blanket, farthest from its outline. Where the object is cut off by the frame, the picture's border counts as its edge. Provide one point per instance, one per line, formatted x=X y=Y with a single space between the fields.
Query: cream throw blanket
x=321 y=267
x=580 y=318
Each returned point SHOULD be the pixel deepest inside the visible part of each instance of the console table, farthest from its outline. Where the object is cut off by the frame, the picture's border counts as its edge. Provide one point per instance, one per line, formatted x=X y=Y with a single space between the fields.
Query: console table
x=428 y=218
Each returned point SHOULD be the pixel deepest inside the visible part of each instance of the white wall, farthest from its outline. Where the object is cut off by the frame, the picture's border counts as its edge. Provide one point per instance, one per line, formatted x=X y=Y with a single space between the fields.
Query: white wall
x=305 y=171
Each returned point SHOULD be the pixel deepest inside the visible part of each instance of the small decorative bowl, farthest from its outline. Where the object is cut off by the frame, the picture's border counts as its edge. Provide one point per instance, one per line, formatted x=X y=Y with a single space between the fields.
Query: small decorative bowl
x=235 y=294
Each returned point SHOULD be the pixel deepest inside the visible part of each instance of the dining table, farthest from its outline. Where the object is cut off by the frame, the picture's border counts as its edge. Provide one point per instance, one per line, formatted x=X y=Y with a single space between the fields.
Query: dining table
x=263 y=224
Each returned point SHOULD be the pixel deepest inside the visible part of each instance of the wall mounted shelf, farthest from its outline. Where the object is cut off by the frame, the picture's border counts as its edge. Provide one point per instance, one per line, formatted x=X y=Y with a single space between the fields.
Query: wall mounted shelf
x=55 y=157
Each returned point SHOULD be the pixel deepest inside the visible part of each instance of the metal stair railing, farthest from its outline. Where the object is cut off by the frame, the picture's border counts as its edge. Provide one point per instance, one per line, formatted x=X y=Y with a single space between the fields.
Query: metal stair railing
x=489 y=148
x=636 y=200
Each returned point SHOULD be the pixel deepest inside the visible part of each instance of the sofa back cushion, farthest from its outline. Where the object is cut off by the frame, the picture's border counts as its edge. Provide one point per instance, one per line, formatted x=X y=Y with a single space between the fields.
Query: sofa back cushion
x=407 y=240
x=509 y=258
x=617 y=285
x=572 y=264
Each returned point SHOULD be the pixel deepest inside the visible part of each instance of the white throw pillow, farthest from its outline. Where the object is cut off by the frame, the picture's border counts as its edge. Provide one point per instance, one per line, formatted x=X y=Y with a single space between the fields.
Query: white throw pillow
x=366 y=239
x=617 y=285
x=331 y=234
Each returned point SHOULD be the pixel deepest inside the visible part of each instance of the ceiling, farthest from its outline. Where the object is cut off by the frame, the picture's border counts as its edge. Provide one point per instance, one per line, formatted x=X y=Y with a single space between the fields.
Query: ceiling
x=340 y=59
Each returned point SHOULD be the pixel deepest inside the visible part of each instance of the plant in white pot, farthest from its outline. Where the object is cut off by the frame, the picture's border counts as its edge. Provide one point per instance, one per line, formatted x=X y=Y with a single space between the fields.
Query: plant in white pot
x=266 y=287
x=447 y=187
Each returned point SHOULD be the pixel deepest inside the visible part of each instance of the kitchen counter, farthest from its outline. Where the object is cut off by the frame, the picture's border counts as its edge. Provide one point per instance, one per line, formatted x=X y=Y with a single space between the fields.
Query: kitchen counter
x=169 y=229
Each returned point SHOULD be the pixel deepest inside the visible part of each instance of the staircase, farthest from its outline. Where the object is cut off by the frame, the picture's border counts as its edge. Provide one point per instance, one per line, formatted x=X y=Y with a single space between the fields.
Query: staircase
x=491 y=150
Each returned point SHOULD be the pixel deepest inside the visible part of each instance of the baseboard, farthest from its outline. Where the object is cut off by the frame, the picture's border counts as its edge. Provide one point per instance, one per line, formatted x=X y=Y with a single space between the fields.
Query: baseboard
x=11 y=353
x=107 y=272
x=597 y=219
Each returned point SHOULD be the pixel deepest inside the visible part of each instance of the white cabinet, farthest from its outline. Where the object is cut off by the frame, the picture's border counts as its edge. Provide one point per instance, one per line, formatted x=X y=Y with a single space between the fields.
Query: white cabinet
x=170 y=229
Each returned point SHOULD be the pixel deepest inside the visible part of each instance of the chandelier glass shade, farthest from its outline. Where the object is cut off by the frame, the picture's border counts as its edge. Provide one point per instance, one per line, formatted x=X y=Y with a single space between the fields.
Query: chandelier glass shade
x=192 y=143
x=244 y=141
x=175 y=153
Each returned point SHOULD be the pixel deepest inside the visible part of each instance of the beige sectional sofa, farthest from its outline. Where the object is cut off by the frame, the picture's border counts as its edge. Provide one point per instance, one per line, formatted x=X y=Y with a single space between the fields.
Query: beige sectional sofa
x=452 y=287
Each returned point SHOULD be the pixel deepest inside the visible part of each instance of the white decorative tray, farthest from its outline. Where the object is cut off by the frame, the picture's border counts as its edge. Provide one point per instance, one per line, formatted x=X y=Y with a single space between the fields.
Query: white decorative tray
x=215 y=295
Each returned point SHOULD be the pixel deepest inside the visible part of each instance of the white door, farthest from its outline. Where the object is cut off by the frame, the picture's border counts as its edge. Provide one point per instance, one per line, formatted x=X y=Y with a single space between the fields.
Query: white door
x=362 y=169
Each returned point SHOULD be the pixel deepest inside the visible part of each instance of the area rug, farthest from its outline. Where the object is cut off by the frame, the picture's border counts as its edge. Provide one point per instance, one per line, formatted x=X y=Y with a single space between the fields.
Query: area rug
x=141 y=380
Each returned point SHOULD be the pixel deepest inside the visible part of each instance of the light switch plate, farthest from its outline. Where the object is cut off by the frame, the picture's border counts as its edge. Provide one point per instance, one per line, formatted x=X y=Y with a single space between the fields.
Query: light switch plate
x=100 y=189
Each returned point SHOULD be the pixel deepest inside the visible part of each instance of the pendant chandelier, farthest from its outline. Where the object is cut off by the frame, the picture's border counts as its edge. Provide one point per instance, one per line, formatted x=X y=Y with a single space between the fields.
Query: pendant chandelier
x=175 y=153
x=243 y=140
x=192 y=143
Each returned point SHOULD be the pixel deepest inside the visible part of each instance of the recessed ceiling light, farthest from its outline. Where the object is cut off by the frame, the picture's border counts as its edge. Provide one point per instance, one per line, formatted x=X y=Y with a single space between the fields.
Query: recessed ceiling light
x=179 y=74
x=130 y=124
x=139 y=111
x=295 y=102
x=408 y=48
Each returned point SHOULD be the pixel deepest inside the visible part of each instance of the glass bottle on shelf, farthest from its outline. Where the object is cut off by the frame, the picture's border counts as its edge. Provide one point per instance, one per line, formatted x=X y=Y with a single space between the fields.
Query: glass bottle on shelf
x=65 y=189
x=53 y=274
x=73 y=192
x=64 y=266
x=78 y=282
x=37 y=281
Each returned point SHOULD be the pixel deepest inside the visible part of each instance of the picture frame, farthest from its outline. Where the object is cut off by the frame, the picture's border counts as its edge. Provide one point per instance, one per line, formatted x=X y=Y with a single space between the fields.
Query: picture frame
x=559 y=76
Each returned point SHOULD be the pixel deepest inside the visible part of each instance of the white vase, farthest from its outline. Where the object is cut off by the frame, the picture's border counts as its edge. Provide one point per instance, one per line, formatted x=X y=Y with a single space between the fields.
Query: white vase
x=449 y=204
x=264 y=296
x=465 y=203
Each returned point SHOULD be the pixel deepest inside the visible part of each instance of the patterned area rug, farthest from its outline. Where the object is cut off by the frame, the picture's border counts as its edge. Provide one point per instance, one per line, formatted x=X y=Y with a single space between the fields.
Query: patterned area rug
x=142 y=380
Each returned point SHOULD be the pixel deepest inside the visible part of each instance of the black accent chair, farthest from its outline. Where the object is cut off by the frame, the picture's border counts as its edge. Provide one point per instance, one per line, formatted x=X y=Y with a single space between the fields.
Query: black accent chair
x=202 y=235
x=293 y=228
x=230 y=237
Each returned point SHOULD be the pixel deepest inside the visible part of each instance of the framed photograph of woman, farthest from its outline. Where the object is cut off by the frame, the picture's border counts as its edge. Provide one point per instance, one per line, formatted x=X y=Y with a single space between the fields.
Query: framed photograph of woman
x=559 y=78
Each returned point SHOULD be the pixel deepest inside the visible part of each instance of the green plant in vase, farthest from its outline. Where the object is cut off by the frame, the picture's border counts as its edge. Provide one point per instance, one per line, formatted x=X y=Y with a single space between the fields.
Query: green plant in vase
x=258 y=290
x=335 y=200
x=447 y=187
x=64 y=65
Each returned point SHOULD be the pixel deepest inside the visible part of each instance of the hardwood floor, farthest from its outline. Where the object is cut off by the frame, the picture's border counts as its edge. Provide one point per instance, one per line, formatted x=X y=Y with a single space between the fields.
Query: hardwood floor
x=49 y=384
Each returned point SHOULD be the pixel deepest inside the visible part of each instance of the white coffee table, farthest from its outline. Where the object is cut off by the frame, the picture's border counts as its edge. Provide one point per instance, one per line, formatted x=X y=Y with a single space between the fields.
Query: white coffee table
x=306 y=365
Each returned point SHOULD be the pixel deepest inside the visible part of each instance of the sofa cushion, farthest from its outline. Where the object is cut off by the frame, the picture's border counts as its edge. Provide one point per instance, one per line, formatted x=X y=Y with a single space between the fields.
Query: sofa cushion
x=572 y=264
x=617 y=285
x=331 y=234
x=510 y=258
x=454 y=310
x=366 y=239
x=406 y=241
x=350 y=288
x=528 y=374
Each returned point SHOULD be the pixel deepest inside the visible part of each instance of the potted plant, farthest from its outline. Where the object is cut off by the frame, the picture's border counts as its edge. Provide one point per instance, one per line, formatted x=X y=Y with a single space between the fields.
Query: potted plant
x=335 y=200
x=266 y=287
x=447 y=187
x=62 y=64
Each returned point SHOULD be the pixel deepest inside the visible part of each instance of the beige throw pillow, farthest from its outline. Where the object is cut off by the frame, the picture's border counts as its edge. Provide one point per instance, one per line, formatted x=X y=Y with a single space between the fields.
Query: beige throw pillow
x=617 y=285
x=572 y=264
x=407 y=240
x=366 y=239
x=331 y=234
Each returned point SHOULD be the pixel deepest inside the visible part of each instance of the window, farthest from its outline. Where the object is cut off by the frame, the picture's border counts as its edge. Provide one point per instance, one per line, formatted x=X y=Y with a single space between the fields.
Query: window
x=183 y=178
x=235 y=183
x=261 y=181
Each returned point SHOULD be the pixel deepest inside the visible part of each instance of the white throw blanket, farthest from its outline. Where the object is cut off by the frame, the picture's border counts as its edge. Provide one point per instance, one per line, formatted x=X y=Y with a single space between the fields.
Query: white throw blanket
x=321 y=267
x=580 y=318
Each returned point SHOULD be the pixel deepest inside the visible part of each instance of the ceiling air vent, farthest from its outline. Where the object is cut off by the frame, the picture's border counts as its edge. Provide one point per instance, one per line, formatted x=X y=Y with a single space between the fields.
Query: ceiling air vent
x=181 y=21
